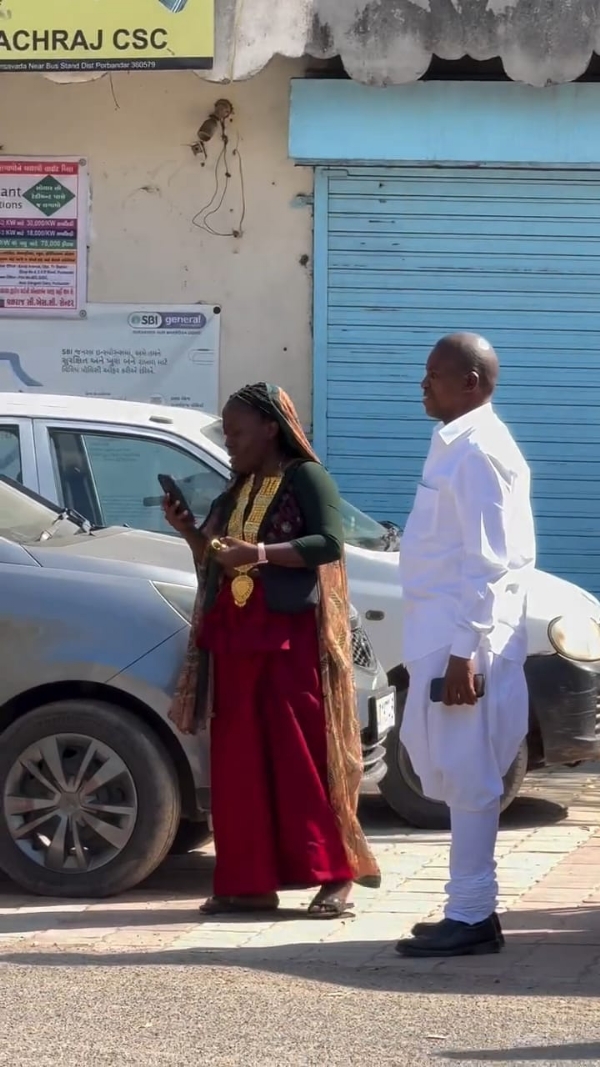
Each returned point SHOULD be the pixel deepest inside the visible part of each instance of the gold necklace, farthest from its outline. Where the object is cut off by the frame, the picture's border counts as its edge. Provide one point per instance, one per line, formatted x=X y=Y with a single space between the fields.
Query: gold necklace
x=247 y=529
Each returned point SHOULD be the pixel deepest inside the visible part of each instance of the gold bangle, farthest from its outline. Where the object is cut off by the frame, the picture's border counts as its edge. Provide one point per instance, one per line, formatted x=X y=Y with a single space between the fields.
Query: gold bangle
x=217 y=545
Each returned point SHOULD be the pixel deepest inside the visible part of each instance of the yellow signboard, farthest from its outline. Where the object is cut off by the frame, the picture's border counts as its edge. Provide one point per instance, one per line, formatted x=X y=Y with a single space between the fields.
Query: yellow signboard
x=94 y=35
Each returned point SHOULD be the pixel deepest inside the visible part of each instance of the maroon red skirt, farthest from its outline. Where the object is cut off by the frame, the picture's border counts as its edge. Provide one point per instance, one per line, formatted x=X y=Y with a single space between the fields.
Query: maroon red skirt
x=273 y=821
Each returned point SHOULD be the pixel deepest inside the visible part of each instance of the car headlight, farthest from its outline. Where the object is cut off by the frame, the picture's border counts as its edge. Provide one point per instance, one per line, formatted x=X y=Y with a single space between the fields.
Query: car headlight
x=576 y=637
x=180 y=597
x=354 y=618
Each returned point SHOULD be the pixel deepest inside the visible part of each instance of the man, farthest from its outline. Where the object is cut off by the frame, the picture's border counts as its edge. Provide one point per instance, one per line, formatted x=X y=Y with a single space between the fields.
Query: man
x=467 y=550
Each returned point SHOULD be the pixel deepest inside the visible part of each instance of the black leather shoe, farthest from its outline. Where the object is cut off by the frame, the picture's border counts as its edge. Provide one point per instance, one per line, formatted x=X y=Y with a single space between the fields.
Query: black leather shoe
x=454 y=939
x=427 y=929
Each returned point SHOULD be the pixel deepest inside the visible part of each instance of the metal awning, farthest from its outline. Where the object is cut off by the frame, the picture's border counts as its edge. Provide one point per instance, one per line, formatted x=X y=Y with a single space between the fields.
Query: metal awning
x=391 y=42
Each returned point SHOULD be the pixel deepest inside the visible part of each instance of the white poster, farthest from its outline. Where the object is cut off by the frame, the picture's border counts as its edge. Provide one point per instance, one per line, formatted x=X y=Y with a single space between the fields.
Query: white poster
x=159 y=353
x=43 y=236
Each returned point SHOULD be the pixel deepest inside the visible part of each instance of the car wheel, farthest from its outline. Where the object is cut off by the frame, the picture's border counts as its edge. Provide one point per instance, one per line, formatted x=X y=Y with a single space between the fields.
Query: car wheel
x=401 y=786
x=90 y=800
x=189 y=836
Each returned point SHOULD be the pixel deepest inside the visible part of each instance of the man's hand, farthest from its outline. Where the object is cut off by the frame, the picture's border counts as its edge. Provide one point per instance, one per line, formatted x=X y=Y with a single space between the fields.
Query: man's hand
x=459 y=682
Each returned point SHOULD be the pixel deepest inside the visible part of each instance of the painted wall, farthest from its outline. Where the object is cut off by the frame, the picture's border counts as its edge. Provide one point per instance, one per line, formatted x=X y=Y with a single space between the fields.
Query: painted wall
x=147 y=187
x=437 y=122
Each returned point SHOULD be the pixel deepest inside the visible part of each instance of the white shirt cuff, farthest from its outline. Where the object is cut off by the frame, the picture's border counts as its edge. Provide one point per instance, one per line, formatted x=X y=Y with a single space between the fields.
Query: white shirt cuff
x=465 y=644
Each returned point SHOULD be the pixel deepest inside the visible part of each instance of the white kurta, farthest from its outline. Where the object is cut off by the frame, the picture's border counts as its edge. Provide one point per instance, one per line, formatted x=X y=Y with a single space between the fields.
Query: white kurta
x=467 y=551
x=461 y=754
x=469 y=543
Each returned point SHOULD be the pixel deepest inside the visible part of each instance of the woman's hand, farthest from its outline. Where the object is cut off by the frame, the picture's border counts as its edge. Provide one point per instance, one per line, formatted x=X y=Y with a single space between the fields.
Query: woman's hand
x=236 y=554
x=181 y=521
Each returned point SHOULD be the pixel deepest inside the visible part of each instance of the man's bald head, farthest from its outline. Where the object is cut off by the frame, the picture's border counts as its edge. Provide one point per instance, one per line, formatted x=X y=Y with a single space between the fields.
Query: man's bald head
x=471 y=353
x=462 y=371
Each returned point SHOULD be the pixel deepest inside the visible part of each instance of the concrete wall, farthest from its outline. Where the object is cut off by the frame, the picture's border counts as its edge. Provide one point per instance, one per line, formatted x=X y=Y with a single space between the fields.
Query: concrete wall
x=147 y=186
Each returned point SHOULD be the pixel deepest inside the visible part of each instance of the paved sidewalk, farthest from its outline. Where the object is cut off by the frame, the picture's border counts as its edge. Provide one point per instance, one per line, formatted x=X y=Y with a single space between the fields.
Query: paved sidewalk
x=549 y=869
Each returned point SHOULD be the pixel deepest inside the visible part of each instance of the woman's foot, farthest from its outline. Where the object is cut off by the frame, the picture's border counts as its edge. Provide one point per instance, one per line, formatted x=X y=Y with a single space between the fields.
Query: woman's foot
x=236 y=905
x=331 y=902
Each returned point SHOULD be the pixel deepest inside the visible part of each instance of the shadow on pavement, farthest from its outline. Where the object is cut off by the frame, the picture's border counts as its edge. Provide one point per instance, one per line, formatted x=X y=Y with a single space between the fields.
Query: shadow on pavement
x=563 y=1053
x=178 y=878
x=529 y=812
x=128 y=918
x=526 y=812
x=554 y=952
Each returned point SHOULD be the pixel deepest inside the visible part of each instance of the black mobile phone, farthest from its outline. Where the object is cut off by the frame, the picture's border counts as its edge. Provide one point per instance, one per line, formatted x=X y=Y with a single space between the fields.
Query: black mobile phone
x=436 y=691
x=173 y=491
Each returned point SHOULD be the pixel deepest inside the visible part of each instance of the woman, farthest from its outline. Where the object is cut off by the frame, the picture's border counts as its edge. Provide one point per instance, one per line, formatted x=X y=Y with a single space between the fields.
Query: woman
x=270 y=664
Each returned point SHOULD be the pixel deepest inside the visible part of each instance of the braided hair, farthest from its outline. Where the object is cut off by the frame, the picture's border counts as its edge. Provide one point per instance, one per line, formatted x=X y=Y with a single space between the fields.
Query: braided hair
x=255 y=396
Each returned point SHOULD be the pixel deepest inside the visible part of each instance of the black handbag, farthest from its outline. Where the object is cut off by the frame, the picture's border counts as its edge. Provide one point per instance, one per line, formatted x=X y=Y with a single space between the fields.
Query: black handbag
x=289 y=590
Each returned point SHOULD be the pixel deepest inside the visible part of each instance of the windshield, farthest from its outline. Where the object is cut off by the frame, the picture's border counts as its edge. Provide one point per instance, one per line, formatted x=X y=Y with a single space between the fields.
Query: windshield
x=25 y=518
x=360 y=530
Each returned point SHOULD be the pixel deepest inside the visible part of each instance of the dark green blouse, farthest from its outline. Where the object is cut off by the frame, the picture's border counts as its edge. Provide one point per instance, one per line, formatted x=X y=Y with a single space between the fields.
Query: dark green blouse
x=318 y=501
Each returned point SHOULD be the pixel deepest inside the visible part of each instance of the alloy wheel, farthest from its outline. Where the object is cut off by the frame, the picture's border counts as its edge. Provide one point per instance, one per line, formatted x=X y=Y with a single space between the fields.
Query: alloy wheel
x=70 y=803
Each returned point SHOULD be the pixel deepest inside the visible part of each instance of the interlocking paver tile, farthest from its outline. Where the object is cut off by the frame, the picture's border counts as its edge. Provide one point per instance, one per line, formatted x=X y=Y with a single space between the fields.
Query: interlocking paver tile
x=549 y=881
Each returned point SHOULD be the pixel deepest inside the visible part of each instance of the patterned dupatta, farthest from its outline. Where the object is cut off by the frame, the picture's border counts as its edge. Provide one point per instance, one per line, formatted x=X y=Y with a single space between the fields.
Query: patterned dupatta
x=192 y=704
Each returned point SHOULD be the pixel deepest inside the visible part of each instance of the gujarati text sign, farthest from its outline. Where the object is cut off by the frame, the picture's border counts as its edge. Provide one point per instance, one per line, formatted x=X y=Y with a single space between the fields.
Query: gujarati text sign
x=43 y=211
x=153 y=352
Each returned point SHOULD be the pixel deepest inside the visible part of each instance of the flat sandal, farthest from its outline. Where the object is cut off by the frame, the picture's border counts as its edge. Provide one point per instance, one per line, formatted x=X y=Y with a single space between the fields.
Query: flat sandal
x=235 y=906
x=325 y=906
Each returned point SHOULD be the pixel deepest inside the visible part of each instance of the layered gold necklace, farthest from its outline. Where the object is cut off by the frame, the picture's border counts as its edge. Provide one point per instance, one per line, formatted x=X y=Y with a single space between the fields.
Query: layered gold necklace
x=246 y=529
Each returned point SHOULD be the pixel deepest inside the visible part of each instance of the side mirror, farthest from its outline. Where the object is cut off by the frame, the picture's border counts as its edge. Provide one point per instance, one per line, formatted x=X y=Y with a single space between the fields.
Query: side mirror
x=394 y=533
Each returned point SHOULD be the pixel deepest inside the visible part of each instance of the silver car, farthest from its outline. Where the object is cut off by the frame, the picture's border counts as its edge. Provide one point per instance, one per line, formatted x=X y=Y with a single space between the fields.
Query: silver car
x=96 y=784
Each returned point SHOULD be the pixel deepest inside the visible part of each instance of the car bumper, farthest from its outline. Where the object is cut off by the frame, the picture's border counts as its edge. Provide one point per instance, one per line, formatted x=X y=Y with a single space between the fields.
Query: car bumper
x=564 y=704
x=371 y=687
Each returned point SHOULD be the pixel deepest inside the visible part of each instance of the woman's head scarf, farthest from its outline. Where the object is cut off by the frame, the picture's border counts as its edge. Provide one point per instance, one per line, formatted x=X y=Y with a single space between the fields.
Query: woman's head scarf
x=274 y=403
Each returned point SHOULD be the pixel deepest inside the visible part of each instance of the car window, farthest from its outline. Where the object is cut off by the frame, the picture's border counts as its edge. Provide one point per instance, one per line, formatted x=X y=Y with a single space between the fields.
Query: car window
x=112 y=478
x=359 y=529
x=10 y=453
x=363 y=531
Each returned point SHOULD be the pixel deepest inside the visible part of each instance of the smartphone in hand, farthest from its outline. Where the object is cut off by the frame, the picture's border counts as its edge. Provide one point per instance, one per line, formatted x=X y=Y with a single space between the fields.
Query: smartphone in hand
x=436 y=690
x=174 y=492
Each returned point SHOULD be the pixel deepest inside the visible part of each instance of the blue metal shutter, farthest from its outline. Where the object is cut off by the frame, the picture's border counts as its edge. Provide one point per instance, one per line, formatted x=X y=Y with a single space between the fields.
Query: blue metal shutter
x=405 y=255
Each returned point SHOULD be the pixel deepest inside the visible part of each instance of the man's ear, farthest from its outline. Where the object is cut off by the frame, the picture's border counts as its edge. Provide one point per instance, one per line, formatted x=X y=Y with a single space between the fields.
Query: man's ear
x=472 y=381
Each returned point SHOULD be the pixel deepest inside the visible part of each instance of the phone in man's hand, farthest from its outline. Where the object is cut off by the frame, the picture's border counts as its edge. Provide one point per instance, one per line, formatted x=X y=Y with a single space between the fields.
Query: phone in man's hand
x=436 y=690
x=174 y=492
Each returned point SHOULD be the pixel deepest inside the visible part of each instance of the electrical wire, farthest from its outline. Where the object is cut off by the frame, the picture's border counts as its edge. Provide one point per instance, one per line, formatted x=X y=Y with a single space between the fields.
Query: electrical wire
x=222 y=185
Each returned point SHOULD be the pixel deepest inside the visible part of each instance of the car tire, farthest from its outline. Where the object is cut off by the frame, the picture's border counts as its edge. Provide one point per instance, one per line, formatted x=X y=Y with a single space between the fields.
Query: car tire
x=402 y=791
x=189 y=836
x=148 y=817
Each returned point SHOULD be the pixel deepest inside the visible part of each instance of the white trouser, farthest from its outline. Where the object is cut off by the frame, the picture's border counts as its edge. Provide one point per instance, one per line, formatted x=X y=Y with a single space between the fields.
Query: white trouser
x=461 y=755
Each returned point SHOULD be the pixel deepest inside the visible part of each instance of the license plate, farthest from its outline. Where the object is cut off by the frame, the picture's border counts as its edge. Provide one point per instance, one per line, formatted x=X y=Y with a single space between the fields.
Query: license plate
x=385 y=711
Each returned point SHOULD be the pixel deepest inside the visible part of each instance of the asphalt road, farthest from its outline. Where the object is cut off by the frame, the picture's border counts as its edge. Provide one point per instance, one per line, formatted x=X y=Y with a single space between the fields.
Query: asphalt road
x=74 y=1014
